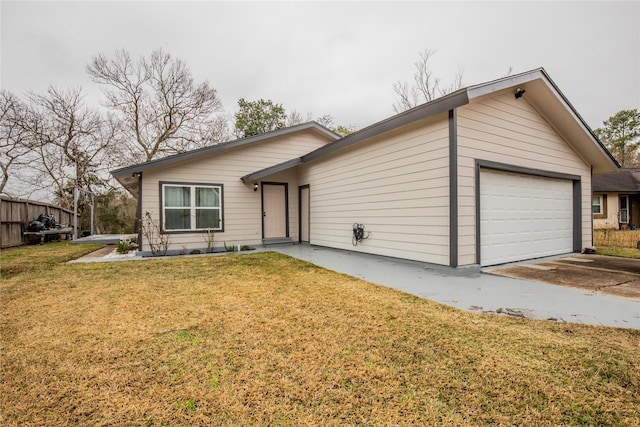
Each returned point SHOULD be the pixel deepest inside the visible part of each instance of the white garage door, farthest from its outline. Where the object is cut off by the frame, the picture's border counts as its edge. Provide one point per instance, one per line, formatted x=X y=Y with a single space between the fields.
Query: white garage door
x=523 y=217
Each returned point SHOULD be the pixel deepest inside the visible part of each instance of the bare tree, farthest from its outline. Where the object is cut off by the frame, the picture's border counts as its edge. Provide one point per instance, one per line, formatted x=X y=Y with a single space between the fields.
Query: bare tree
x=72 y=143
x=162 y=110
x=15 y=145
x=425 y=87
x=295 y=118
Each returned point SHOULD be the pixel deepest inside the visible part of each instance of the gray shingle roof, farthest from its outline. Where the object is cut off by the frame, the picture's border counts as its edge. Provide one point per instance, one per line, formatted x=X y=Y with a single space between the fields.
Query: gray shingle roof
x=627 y=180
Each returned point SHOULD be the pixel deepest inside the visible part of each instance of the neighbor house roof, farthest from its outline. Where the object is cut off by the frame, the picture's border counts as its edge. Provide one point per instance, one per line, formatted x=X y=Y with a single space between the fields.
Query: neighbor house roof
x=126 y=175
x=625 y=181
x=541 y=92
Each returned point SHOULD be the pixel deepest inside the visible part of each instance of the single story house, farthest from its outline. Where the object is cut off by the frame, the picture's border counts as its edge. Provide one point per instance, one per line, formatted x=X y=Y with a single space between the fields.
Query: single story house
x=489 y=174
x=616 y=200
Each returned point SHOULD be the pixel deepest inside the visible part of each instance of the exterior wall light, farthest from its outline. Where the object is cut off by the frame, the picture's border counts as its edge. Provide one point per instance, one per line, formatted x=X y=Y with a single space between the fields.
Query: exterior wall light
x=519 y=93
x=255 y=186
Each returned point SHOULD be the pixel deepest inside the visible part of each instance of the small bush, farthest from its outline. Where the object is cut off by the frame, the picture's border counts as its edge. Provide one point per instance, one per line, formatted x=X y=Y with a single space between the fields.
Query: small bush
x=122 y=247
x=152 y=231
x=195 y=252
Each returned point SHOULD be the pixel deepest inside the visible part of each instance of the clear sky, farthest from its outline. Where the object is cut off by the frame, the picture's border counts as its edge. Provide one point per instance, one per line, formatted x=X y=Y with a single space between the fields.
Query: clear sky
x=338 y=58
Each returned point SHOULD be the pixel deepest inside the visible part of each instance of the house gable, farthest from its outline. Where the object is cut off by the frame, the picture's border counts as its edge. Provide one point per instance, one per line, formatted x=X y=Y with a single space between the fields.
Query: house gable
x=546 y=98
x=221 y=166
x=281 y=145
x=499 y=131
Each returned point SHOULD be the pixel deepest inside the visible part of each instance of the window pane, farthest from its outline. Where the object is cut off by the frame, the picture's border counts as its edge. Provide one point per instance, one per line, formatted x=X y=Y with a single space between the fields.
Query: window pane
x=207 y=197
x=596 y=207
x=177 y=219
x=624 y=216
x=177 y=196
x=623 y=202
x=208 y=218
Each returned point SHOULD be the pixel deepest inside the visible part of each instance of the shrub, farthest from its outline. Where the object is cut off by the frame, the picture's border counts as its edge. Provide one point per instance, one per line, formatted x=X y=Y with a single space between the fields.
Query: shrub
x=209 y=238
x=122 y=247
x=157 y=240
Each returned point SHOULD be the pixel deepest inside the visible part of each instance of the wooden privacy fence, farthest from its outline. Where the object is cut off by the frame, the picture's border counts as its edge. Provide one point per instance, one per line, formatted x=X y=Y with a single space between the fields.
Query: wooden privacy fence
x=15 y=215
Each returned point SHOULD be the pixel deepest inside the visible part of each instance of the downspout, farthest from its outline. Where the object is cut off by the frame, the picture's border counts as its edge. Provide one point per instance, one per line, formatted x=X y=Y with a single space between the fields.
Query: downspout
x=139 y=212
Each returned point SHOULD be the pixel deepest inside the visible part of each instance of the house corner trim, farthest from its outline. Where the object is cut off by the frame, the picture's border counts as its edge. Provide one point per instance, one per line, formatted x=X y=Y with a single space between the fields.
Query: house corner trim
x=139 y=212
x=453 y=188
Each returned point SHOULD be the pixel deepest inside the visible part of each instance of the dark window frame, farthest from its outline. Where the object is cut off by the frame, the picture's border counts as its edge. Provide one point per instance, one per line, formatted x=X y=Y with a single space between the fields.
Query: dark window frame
x=192 y=185
x=603 y=207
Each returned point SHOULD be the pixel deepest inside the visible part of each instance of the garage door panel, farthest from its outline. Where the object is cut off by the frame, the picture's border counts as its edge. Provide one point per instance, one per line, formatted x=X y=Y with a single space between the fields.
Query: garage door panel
x=524 y=216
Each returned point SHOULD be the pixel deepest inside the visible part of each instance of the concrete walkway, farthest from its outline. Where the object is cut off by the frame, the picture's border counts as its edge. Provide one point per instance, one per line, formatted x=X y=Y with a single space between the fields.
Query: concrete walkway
x=479 y=292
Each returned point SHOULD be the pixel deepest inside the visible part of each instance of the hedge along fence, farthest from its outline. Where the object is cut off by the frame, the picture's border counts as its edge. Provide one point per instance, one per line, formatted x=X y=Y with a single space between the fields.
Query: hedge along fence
x=616 y=238
x=15 y=215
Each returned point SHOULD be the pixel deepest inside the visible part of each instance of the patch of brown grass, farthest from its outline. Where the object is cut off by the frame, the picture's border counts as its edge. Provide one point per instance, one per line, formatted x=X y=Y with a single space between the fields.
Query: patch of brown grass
x=266 y=339
x=35 y=258
x=616 y=238
x=619 y=252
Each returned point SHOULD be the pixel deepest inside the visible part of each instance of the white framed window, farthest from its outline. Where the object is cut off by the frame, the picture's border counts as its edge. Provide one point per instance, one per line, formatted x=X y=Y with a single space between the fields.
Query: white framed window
x=597 y=204
x=190 y=207
x=624 y=210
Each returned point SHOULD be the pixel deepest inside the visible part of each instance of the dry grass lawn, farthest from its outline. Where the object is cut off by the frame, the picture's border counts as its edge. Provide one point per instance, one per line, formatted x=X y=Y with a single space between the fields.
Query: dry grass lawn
x=616 y=238
x=620 y=243
x=264 y=339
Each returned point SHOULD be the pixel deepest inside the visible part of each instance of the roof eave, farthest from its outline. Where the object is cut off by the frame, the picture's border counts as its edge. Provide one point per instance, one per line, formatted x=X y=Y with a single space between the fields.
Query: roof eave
x=420 y=112
x=254 y=176
x=440 y=105
x=165 y=161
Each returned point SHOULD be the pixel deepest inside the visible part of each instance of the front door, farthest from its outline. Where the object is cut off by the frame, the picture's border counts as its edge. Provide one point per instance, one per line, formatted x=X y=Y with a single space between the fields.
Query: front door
x=624 y=210
x=304 y=213
x=634 y=210
x=274 y=211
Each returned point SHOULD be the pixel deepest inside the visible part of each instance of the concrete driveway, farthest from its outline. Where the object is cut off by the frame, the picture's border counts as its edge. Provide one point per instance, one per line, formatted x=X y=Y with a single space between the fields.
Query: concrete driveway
x=613 y=276
x=479 y=292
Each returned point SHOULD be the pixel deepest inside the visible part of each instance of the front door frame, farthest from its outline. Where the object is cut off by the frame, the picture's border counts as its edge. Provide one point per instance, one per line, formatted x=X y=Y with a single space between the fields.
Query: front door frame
x=286 y=204
x=300 y=210
x=627 y=211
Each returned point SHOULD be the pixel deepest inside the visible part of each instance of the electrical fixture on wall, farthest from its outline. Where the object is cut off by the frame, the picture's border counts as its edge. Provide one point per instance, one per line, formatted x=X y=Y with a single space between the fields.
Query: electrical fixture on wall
x=519 y=93
x=255 y=186
x=358 y=234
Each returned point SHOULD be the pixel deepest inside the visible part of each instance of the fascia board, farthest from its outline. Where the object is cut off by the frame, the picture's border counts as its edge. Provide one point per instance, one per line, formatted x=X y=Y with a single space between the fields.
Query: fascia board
x=482 y=89
x=612 y=162
x=440 y=105
x=129 y=170
x=254 y=176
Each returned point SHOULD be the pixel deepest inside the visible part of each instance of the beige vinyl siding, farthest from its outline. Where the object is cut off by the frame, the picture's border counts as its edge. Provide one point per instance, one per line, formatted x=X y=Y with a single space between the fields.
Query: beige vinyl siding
x=242 y=205
x=396 y=184
x=501 y=129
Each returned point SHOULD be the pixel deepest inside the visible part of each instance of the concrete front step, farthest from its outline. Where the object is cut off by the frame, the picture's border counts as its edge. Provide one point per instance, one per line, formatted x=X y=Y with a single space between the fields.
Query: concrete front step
x=277 y=241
